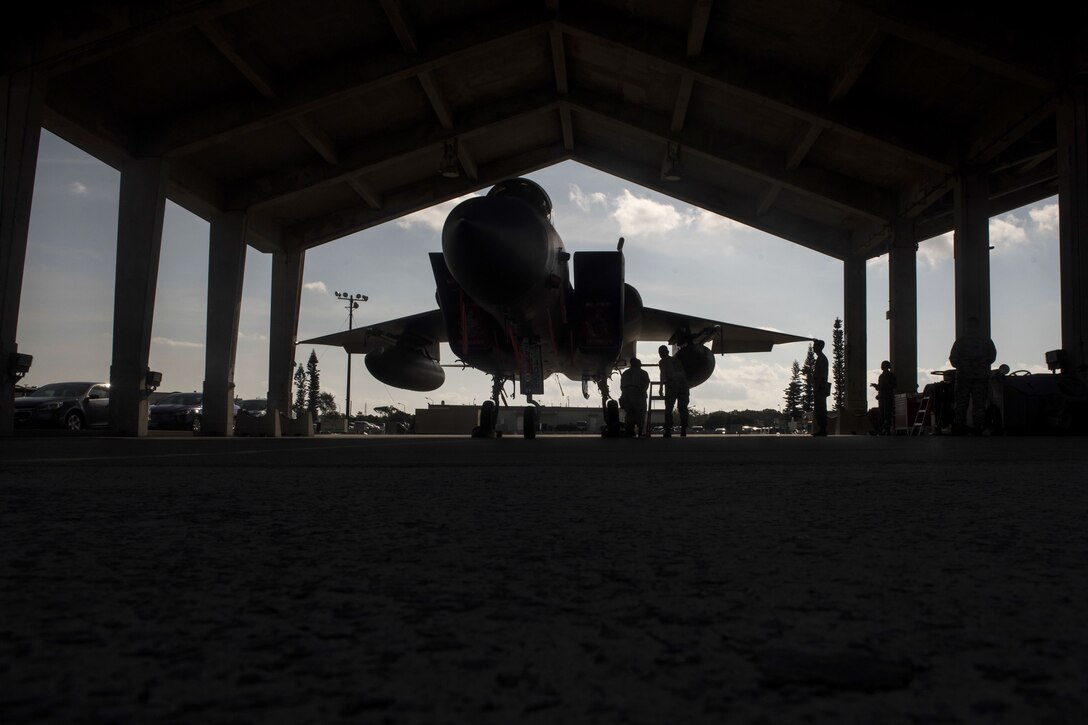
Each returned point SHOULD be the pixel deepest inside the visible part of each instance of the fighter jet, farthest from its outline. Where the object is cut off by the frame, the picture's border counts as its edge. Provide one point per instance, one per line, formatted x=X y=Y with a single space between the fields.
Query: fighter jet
x=510 y=305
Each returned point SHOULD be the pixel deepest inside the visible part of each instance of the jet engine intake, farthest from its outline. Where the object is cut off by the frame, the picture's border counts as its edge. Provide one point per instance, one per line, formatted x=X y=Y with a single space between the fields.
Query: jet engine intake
x=406 y=368
x=632 y=314
x=698 y=362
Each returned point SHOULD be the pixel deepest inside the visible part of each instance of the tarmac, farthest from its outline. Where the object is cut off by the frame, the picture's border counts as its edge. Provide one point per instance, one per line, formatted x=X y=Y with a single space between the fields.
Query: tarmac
x=567 y=579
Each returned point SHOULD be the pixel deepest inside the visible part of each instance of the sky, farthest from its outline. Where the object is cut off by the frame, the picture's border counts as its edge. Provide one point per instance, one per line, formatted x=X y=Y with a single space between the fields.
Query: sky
x=679 y=257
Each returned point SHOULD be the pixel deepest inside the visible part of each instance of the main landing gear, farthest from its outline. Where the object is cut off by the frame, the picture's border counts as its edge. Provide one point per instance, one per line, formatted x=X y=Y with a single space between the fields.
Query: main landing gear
x=531 y=421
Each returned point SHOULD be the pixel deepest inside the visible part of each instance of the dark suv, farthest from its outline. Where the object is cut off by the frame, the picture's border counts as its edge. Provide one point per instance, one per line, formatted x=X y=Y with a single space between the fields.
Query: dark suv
x=73 y=406
x=177 y=411
x=256 y=407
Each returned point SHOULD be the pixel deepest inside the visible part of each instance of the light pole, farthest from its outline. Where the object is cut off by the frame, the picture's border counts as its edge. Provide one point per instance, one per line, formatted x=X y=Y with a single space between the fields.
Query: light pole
x=353 y=304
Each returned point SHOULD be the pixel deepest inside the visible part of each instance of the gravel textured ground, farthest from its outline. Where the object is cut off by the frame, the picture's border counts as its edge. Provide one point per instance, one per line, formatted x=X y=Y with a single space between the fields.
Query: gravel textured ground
x=416 y=580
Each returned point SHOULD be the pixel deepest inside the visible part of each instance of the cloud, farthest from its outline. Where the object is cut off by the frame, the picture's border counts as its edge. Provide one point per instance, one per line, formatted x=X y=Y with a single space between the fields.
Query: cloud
x=1007 y=233
x=252 y=337
x=641 y=216
x=1046 y=218
x=739 y=383
x=316 y=287
x=78 y=188
x=167 y=342
x=936 y=251
x=584 y=201
x=707 y=222
x=433 y=217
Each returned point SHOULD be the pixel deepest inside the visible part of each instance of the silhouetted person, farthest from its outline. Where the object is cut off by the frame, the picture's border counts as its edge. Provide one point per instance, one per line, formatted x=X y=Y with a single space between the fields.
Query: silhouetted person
x=972 y=355
x=821 y=388
x=634 y=387
x=675 y=381
x=885 y=397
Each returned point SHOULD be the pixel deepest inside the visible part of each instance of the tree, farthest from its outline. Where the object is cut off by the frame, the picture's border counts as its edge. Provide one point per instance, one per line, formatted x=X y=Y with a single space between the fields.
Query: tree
x=300 y=391
x=766 y=418
x=807 y=393
x=838 y=366
x=326 y=404
x=313 y=384
x=717 y=419
x=793 y=411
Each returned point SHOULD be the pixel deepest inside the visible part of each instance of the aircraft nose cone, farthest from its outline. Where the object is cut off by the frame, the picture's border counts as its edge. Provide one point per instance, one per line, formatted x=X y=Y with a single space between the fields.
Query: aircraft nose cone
x=495 y=248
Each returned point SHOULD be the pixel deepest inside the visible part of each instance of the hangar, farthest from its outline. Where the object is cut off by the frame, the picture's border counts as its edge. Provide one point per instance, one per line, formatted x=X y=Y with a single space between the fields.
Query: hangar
x=855 y=128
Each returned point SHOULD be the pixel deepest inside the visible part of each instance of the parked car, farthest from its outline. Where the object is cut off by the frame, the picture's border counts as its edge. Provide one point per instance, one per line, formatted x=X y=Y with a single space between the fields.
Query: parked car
x=73 y=406
x=365 y=427
x=177 y=411
x=256 y=407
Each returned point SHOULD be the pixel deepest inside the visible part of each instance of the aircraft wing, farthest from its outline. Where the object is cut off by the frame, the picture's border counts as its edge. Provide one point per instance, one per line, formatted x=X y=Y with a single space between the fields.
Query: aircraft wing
x=727 y=337
x=425 y=329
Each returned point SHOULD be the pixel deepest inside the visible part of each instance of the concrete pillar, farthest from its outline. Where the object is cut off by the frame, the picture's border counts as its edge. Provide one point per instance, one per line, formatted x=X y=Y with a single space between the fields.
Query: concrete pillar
x=854 y=335
x=139 y=240
x=226 y=270
x=903 y=307
x=1073 y=224
x=283 y=328
x=971 y=246
x=22 y=99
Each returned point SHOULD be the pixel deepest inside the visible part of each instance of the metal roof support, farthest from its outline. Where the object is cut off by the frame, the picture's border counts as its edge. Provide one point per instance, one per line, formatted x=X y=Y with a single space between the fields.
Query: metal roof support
x=139 y=241
x=1073 y=224
x=903 y=307
x=283 y=331
x=856 y=338
x=22 y=99
x=226 y=270
x=971 y=245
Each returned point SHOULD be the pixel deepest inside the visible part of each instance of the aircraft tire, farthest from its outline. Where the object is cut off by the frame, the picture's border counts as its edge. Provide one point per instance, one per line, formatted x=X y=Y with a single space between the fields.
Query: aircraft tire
x=487 y=417
x=612 y=418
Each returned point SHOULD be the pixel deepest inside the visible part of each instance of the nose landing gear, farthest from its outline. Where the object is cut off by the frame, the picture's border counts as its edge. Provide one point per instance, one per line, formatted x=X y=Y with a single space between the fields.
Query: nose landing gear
x=489 y=411
x=531 y=421
x=612 y=427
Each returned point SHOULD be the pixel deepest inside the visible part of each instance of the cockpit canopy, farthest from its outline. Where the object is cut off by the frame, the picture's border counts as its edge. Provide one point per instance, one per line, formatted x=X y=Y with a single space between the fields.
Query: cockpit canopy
x=528 y=191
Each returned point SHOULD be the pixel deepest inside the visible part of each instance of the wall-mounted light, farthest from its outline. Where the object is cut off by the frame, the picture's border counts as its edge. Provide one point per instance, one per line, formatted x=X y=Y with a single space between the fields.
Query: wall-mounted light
x=1055 y=360
x=18 y=365
x=450 y=166
x=670 y=170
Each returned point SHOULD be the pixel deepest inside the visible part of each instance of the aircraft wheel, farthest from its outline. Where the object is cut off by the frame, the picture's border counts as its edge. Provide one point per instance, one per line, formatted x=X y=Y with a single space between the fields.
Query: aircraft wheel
x=530 y=422
x=488 y=415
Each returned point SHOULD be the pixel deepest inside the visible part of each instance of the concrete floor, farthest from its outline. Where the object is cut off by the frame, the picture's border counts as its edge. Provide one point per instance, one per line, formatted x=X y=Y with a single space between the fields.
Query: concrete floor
x=566 y=579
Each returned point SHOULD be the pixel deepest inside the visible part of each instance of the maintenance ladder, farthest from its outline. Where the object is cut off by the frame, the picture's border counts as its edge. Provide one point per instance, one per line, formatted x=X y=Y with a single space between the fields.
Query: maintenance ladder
x=660 y=387
x=920 y=417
